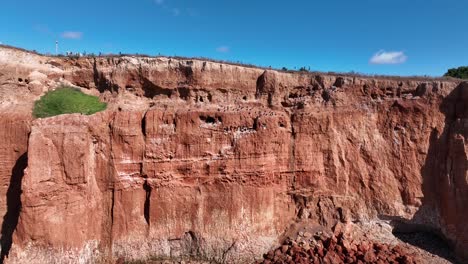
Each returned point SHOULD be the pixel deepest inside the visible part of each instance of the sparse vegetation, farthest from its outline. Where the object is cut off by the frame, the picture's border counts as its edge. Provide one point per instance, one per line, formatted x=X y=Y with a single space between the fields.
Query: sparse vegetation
x=67 y=100
x=460 y=72
x=247 y=65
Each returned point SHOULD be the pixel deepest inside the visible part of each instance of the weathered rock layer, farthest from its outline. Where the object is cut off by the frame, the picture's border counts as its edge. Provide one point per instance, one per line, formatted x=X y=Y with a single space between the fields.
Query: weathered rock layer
x=215 y=161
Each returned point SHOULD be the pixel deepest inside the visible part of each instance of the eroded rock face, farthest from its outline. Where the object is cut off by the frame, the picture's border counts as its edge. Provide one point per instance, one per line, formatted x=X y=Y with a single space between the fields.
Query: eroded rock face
x=452 y=185
x=216 y=162
x=13 y=161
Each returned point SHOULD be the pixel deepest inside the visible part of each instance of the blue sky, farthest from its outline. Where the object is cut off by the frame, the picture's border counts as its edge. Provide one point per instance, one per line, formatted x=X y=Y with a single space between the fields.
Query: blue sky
x=398 y=37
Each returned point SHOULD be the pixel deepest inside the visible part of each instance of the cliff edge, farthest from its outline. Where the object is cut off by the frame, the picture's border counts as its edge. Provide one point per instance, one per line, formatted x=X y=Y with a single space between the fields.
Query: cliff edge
x=218 y=162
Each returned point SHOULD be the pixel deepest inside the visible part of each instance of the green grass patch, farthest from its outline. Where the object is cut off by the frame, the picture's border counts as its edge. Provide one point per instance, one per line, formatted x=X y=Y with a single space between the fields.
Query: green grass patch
x=67 y=100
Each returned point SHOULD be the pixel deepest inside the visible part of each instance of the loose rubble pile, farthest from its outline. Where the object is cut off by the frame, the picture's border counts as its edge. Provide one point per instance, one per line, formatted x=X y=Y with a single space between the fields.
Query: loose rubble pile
x=319 y=248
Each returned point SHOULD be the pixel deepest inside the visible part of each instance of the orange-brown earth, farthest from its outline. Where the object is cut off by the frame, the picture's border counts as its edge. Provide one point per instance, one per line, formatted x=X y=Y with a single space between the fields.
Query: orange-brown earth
x=218 y=162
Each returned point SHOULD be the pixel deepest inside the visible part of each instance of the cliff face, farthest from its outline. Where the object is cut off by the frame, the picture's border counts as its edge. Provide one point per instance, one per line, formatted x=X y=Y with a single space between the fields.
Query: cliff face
x=446 y=169
x=217 y=161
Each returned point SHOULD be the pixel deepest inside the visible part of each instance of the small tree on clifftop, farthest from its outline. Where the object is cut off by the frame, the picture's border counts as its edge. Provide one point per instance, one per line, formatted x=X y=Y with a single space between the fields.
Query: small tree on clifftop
x=460 y=72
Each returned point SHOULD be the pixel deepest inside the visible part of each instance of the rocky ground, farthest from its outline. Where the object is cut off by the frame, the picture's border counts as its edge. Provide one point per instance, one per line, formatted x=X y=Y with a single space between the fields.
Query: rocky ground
x=370 y=242
x=342 y=246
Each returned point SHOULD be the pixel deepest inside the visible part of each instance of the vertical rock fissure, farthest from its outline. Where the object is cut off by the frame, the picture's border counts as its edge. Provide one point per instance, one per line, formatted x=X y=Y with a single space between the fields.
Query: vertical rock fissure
x=292 y=149
x=143 y=126
x=110 y=227
x=146 y=186
x=110 y=230
x=112 y=208
x=143 y=132
x=147 y=205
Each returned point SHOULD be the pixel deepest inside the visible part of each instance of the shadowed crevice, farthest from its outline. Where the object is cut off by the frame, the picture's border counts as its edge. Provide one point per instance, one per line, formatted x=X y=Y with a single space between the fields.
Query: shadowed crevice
x=146 y=212
x=151 y=90
x=10 y=220
x=101 y=82
x=443 y=205
x=430 y=241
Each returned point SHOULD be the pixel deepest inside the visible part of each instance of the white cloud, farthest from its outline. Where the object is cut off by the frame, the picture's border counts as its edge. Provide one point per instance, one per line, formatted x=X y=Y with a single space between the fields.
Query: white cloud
x=223 y=49
x=72 y=35
x=175 y=11
x=390 y=57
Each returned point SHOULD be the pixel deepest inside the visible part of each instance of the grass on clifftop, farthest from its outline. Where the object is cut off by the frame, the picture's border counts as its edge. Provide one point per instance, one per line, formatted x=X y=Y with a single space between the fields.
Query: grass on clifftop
x=67 y=100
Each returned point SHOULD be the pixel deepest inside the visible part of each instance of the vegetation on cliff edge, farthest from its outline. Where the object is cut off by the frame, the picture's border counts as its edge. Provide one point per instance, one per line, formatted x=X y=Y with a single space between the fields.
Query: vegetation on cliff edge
x=460 y=72
x=67 y=100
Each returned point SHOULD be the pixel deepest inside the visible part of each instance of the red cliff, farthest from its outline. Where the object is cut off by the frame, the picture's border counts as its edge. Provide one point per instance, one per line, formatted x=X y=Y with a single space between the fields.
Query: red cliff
x=214 y=161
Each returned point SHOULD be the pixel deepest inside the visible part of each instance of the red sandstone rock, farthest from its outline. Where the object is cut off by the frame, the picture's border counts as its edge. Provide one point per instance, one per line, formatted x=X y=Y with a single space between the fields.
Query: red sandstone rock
x=397 y=254
x=205 y=159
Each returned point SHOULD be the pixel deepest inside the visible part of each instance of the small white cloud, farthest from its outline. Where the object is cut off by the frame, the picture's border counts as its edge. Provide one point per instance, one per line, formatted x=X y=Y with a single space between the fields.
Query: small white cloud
x=390 y=57
x=175 y=11
x=72 y=35
x=223 y=49
x=159 y=2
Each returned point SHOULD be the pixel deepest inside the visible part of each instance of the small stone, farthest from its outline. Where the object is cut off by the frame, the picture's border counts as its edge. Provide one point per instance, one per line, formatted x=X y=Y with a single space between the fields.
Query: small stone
x=270 y=254
x=338 y=228
x=319 y=244
x=363 y=247
x=320 y=236
x=294 y=249
x=369 y=256
x=320 y=252
x=316 y=260
x=338 y=249
x=381 y=247
x=346 y=245
x=398 y=250
x=407 y=260
x=332 y=257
